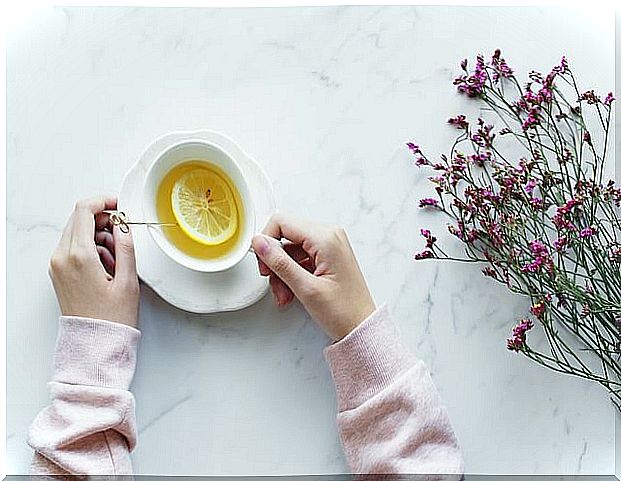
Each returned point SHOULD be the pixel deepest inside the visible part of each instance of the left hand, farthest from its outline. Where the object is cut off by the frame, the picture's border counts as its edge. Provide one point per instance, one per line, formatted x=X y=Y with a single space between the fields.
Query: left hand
x=93 y=270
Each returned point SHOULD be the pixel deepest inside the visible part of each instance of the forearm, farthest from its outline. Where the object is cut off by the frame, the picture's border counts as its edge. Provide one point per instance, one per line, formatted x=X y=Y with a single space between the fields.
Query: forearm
x=89 y=426
x=391 y=419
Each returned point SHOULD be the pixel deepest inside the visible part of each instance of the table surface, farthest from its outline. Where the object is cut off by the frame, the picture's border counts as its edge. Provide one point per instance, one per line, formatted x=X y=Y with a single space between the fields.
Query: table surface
x=324 y=99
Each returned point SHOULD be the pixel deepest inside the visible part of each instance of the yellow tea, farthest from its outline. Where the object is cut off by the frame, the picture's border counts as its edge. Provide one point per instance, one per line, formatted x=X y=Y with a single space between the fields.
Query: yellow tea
x=201 y=198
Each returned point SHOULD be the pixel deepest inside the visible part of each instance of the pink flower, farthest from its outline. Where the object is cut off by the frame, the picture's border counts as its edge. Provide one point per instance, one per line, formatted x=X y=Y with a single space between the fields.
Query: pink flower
x=590 y=97
x=538 y=248
x=518 y=339
x=587 y=137
x=426 y=254
x=615 y=255
x=480 y=159
x=483 y=137
x=429 y=237
x=542 y=258
x=569 y=206
x=459 y=122
x=532 y=119
x=609 y=99
x=530 y=186
x=587 y=232
x=560 y=244
x=420 y=161
x=473 y=85
x=501 y=69
x=489 y=272
x=536 y=203
x=413 y=147
x=538 y=309
x=564 y=66
x=428 y=202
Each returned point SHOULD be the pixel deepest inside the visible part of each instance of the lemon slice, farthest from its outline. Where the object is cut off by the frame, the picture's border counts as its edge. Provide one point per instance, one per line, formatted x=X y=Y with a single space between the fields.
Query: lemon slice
x=204 y=206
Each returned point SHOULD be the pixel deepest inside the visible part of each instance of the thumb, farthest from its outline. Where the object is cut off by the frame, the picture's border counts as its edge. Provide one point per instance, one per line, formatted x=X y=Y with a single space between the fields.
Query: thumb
x=270 y=251
x=125 y=258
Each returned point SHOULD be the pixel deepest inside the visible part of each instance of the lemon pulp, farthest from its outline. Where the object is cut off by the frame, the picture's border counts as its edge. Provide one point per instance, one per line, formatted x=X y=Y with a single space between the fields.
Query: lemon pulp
x=204 y=206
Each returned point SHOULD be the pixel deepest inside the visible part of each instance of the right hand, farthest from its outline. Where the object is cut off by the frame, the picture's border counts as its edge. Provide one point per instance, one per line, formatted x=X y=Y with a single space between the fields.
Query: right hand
x=318 y=266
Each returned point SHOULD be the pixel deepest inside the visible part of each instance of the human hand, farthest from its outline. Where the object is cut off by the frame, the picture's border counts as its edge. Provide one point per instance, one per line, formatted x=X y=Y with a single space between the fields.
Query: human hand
x=92 y=269
x=318 y=266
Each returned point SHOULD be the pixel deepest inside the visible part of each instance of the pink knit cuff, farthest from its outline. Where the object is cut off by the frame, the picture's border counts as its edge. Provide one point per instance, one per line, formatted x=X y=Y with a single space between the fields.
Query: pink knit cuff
x=95 y=352
x=367 y=360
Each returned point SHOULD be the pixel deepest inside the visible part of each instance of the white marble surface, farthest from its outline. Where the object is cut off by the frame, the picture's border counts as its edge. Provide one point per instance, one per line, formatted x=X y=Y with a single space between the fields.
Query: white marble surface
x=323 y=98
x=617 y=469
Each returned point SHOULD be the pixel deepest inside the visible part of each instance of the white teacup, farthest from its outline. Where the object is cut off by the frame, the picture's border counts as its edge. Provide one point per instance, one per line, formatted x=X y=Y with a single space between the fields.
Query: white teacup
x=199 y=150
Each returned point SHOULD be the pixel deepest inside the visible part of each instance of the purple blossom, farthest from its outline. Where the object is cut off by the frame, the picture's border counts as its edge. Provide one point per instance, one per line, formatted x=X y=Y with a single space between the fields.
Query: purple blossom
x=483 y=137
x=426 y=254
x=472 y=85
x=615 y=254
x=428 y=202
x=530 y=186
x=413 y=147
x=564 y=66
x=569 y=206
x=587 y=232
x=560 y=244
x=518 y=339
x=533 y=266
x=590 y=97
x=538 y=248
x=609 y=99
x=562 y=223
x=457 y=230
x=541 y=259
x=501 y=69
x=431 y=240
x=539 y=308
x=480 y=158
x=536 y=202
x=587 y=137
x=459 y=122
x=489 y=272
x=532 y=119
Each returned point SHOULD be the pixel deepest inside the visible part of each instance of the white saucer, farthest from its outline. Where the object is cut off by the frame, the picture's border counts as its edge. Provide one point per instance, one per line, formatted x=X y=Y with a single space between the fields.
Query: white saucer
x=186 y=289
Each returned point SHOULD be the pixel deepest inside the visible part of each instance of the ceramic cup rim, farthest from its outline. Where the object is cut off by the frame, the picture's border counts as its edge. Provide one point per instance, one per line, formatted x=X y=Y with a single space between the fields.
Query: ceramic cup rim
x=232 y=169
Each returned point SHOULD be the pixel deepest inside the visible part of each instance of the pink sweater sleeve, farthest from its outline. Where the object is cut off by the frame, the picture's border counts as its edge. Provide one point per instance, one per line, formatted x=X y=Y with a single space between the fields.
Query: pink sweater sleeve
x=391 y=419
x=89 y=426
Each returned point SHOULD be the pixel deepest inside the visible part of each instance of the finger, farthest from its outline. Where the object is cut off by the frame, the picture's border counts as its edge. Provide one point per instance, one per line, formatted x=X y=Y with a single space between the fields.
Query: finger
x=105 y=238
x=294 y=250
x=83 y=232
x=107 y=259
x=125 y=258
x=65 y=238
x=280 y=263
x=282 y=294
x=102 y=221
x=263 y=269
x=294 y=229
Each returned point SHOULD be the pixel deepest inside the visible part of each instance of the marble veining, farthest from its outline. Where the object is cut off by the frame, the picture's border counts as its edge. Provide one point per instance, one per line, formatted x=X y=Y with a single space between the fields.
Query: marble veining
x=324 y=99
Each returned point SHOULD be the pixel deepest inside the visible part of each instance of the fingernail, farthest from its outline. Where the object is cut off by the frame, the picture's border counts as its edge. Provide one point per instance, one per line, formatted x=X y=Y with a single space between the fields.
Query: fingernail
x=260 y=245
